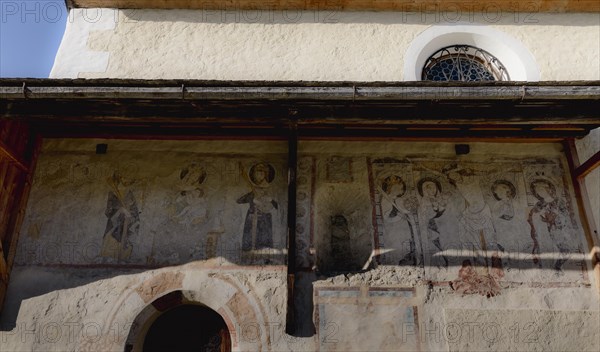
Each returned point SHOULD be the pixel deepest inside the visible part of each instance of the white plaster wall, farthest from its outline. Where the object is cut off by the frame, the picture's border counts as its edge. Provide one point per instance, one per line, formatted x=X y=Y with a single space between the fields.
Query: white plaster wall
x=74 y=55
x=324 y=46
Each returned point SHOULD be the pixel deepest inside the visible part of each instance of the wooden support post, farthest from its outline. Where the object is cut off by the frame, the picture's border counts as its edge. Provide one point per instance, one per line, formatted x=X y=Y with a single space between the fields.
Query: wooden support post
x=17 y=213
x=292 y=172
x=583 y=201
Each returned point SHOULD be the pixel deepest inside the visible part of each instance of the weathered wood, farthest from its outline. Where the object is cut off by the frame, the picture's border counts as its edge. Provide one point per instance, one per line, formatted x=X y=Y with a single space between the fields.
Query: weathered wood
x=16 y=210
x=358 y=92
x=9 y=179
x=588 y=166
x=353 y=5
x=586 y=210
x=483 y=110
x=6 y=152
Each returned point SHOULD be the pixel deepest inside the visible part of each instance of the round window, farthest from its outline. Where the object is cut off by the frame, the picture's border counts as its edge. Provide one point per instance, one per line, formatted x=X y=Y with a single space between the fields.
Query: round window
x=463 y=63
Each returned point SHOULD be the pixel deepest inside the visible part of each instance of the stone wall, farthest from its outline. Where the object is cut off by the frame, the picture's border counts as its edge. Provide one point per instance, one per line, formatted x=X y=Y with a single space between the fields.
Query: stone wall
x=319 y=46
x=400 y=245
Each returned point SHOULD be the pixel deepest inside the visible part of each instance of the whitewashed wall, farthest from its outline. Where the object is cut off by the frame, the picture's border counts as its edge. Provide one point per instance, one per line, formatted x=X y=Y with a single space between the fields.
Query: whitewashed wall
x=323 y=46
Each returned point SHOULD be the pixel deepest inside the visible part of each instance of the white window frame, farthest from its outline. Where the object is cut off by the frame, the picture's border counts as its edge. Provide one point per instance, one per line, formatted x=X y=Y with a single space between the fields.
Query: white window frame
x=516 y=58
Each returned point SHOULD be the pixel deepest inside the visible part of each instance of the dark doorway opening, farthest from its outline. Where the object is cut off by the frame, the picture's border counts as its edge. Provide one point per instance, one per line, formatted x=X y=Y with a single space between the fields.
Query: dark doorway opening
x=188 y=328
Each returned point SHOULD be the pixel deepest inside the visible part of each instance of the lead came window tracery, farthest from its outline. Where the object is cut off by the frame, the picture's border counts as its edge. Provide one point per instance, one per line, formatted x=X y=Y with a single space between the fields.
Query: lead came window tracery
x=463 y=63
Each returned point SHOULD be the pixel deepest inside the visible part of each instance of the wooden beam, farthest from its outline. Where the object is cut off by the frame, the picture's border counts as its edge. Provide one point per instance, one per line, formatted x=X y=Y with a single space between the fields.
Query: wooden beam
x=6 y=152
x=585 y=207
x=354 y=5
x=17 y=211
x=359 y=91
x=584 y=169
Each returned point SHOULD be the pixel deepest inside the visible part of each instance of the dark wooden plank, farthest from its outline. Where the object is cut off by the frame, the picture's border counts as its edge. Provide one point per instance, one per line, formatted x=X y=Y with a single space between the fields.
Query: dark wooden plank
x=584 y=169
x=263 y=91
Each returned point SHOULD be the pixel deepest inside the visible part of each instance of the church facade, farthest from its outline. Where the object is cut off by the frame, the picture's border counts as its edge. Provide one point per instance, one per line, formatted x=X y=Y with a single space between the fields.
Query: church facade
x=332 y=176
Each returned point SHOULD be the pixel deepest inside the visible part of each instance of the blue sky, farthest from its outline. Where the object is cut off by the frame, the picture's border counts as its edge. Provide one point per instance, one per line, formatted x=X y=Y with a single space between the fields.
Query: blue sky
x=30 y=33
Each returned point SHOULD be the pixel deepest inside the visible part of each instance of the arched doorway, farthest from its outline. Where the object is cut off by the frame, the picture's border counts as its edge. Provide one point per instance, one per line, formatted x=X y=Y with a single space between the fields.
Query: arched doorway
x=175 y=323
x=188 y=327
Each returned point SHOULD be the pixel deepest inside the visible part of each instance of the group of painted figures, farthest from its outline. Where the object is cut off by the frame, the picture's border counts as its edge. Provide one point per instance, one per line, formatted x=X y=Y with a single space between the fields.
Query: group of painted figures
x=190 y=207
x=457 y=226
x=452 y=218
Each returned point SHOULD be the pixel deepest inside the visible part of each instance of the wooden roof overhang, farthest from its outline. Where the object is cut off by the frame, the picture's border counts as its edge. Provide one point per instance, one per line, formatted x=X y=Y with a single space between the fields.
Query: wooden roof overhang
x=205 y=109
x=495 y=6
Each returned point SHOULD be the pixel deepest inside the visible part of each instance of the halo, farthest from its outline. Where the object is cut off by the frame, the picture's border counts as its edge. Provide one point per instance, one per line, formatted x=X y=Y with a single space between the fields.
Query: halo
x=546 y=181
x=270 y=172
x=391 y=180
x=437 y=183
x=510 y=185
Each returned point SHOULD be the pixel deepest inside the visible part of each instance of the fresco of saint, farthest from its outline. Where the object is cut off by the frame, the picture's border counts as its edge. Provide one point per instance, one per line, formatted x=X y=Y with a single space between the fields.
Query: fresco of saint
x=191 y=206
x=123 y=219
x=476 y=229
x=433 y=217
x=400 y=228
x=549 y=223
x=258 y=225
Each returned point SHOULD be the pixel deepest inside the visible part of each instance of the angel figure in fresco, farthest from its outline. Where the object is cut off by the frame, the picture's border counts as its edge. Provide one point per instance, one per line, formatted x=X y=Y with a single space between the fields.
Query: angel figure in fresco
x=123 y=219
x=549 y=222
x=432 y=214
x=400 y=226
x=258 y=225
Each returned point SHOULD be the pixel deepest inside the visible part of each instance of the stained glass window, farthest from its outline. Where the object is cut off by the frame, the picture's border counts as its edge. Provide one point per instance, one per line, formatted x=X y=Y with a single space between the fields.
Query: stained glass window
x=463 y=63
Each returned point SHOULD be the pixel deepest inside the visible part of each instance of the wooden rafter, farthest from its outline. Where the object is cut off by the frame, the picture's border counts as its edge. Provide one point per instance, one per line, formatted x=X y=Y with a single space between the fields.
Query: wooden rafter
x=6 y=152
x=584 y=169
x=586 y=213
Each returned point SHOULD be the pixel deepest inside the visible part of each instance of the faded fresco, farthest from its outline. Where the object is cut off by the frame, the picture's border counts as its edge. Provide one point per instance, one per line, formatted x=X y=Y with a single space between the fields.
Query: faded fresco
x=478 y=225
x=174 y=209
x=400 y=246
x=342 y=235
x=123 y=219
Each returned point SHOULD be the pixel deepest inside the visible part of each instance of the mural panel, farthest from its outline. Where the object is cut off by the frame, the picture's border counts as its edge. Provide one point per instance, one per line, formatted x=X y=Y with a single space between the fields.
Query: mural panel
x=479 y=225
x=128 y=209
